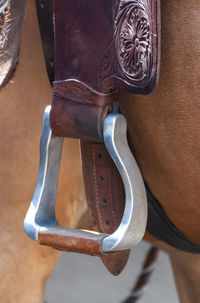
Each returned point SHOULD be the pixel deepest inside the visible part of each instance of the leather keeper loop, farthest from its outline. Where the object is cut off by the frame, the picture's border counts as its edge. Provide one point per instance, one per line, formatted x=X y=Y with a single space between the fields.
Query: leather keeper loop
x=77 y=111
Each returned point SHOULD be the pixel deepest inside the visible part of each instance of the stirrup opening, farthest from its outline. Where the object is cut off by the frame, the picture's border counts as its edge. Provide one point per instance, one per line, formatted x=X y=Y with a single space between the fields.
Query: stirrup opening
x=40 y=223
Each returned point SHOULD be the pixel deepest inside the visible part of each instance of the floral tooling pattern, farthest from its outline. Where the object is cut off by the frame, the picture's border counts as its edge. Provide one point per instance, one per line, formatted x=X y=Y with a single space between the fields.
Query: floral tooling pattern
x=133 y=38
x=4 y=22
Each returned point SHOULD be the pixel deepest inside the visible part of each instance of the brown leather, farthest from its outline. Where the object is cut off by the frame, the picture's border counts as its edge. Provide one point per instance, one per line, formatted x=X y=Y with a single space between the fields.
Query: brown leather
x=45 y=18
x=108 y=43
x=77 y=111
x=101 y=46
x=78 y=92
x=105 y=203
x=73 y=243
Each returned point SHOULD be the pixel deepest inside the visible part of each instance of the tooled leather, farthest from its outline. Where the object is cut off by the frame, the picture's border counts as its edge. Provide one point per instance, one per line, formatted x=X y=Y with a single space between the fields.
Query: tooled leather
x=10 y=32
x=78 y=92
x=107 y=44
x=101 y=66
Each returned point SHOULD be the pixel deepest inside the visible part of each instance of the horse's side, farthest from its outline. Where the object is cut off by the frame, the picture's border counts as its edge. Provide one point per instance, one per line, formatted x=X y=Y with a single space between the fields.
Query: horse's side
x=163 y=131
x=164 y=134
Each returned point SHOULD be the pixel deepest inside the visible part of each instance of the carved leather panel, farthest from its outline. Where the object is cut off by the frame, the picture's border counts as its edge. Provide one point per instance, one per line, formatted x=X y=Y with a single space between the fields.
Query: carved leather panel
x=11 y=15
x=108 y=43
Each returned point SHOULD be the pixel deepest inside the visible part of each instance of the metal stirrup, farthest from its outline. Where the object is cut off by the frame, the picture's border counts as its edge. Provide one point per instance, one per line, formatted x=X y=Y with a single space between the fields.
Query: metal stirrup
x=40 y=221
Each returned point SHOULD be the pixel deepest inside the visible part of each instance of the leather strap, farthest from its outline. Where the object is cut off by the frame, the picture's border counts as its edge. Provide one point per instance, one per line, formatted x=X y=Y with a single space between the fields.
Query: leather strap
x=70 y=99
x=78 y=243
x=105 y=203
x=163 y=229
x=78 y=111
x=45 y=19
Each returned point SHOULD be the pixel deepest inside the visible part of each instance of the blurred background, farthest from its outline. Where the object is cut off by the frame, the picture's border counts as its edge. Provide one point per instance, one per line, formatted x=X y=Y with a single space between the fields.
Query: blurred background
x=84 y=279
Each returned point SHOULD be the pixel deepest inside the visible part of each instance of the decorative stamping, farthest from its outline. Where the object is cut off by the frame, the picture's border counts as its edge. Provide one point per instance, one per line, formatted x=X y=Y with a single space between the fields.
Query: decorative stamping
x=133 y=39
x=4 y=22
x=130 y=61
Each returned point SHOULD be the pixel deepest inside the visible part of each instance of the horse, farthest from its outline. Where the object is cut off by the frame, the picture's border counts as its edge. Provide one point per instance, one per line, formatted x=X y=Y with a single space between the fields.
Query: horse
x=163 y=135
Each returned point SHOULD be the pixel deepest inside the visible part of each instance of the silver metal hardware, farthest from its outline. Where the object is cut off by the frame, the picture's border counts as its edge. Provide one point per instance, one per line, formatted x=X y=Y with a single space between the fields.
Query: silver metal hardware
x=40 y=217
x=133 y=225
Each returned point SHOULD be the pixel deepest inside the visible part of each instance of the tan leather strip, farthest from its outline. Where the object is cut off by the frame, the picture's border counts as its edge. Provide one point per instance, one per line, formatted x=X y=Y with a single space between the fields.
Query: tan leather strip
x=105 y=203
x=86 y=245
